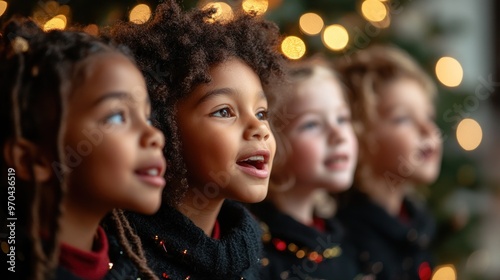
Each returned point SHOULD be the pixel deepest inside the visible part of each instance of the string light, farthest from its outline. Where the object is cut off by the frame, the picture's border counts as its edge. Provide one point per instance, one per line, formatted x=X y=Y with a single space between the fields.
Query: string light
x=449 y=71
x=469 y=134
x=257 y=6
x=374 y=10
x=3 y=7
x=293 y=47
x=335 y=37
x=91 y=29
x=55 y=23
x=445 y=272
x=140 y=14
x=224 y=11
x=311 y=23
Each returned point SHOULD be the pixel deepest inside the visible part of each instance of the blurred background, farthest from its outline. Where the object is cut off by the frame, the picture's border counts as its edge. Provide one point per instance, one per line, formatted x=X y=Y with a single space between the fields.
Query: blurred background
x=456 y=41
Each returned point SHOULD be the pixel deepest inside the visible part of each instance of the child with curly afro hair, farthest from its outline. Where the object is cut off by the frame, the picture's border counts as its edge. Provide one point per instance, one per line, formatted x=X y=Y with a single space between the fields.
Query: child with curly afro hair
x=206 y=79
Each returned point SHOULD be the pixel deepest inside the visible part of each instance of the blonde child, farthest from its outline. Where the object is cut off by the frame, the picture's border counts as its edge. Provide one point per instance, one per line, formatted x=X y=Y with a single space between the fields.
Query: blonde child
x=78 y=143
x=400 y=149
x=206 y=82
x=317 y=153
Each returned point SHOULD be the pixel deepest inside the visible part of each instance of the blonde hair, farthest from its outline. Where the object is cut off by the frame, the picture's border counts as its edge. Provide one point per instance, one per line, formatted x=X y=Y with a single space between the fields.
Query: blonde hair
x=365 y=74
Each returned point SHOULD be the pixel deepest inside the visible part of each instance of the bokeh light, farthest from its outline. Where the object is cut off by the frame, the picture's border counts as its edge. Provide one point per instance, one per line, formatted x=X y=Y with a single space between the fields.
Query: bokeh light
x=469 y=134
x=56 y=22
x=3 y=7
x=311 y=23
x=91 y=29
x=257 y=6
x=445 y=272
x=335 y=37
x=373 y=10
x=386 y=22
x=224 y=11
x=449 y=71
x=140 y=14
x=293 y=47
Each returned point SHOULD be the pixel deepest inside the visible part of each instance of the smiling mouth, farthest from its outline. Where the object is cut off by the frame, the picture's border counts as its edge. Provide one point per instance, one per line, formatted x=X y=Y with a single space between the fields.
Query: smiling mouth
x=152 y=176
x=255 y=165
x=337 y=162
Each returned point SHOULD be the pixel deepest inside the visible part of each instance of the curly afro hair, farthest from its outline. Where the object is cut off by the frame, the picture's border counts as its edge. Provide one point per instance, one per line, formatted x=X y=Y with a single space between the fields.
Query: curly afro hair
x=175 y=51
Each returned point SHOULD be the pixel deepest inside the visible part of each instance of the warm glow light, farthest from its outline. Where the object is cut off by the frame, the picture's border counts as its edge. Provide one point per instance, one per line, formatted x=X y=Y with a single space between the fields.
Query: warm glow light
x=293 y=47
x=274 y=4
x=445 y=272
x=335 y=37
x=63 y=18
x=140 y=14
x=469 y=134
x=257 y=6
x=54 y=23
x=311 y=23
x=91 y=29
x=374 y=10
x=449 y=71
x=3 y=7
x=224 y=11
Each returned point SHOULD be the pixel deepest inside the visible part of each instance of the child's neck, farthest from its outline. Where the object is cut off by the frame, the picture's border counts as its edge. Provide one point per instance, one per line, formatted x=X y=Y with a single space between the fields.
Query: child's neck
x=390 y=198
x=79 y=227
x=298 y=203
x=202 y=211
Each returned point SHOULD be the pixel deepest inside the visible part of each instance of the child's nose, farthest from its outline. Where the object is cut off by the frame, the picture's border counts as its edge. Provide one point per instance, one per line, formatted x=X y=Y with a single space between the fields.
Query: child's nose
x=256 y=129
x=334 y=133
x=153 y=138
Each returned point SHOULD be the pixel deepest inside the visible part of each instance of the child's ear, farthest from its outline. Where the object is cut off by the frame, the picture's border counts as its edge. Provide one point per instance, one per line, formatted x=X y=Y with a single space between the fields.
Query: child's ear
x=23 y=156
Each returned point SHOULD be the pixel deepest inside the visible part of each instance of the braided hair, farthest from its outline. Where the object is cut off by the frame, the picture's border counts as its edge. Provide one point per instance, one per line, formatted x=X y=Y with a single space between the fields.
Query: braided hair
x=176 y=50
x=38 y=72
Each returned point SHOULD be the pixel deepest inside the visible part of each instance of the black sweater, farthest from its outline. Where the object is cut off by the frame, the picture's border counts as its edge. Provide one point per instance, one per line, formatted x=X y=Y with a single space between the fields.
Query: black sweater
x=389 y=247
x=176 y=248
x=284 y=261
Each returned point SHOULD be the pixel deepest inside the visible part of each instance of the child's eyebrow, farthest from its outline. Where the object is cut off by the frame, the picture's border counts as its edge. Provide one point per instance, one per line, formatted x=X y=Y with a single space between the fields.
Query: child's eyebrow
x=223 y=91
x=119 y=96
x=212 y=93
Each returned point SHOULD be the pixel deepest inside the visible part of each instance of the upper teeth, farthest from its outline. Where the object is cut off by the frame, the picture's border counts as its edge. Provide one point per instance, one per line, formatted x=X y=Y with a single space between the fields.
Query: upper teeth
x=255 y=158
x=153 y=172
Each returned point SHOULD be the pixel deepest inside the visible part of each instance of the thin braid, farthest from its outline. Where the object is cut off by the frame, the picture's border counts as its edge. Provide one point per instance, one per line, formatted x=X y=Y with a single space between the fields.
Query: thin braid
x=123 y=229
x=39 y=256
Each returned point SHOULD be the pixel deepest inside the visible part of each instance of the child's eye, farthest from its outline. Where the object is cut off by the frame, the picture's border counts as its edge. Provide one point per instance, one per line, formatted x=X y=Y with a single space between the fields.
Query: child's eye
x=262 y=115
x=309 y=125
x=401 y=119
x=344 y=119
x=116 y=118
x=222 y=113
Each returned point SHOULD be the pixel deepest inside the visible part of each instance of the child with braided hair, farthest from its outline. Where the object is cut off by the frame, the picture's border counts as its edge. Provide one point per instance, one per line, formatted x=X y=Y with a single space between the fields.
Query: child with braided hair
x=206 y=79
x=80 y=145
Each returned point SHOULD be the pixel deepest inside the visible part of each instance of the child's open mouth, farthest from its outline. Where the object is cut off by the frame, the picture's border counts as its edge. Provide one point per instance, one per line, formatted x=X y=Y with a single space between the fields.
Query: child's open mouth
x=152 y=175
x=255 y=164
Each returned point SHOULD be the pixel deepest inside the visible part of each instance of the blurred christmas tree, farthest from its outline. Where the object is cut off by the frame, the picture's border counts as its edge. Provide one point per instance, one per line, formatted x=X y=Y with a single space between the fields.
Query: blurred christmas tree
x=338 y=29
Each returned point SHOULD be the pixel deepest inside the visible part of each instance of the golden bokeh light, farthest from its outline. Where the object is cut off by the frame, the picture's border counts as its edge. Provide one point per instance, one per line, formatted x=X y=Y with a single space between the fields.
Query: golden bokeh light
x=293 y=47
x=257 y=6
x=140 y=14
x=63 y=18
x=311 y=23
x=469 y=134
x=449 y=71
x=335 y=37
x=374 y=10
x=3 y=7
x=224 y=11
x=274 y=4
x=385 y=23
x=55 y=23
x=445 y=272
x=91 y=29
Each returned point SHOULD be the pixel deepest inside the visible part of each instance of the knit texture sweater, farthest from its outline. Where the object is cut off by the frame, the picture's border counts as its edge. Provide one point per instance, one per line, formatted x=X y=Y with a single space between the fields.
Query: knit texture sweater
x=177 y=249
x=391 y=248
x=293 y=250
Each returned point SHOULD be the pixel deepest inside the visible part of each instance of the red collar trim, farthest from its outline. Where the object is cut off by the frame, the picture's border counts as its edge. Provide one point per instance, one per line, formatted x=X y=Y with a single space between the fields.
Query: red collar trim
x=87 y=265
x=216 y=230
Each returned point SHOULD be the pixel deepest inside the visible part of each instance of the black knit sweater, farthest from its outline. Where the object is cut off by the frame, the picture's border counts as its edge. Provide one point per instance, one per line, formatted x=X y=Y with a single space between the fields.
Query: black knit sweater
x=176 y=248
x=326 y=256
x=388 y=247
